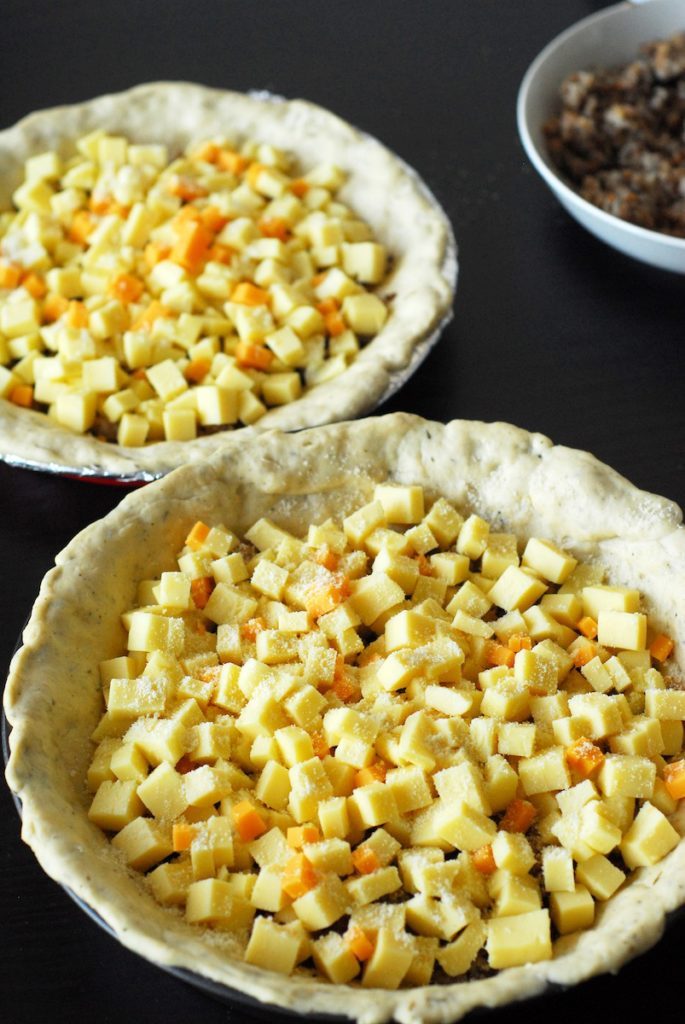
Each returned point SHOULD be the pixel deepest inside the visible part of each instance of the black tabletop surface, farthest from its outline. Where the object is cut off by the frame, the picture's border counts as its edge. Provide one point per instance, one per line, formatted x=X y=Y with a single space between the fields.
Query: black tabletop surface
x=552 y=331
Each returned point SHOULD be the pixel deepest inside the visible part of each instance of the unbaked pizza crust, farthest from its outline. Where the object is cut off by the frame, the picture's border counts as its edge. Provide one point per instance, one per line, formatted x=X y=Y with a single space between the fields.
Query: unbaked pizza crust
x=521 y=482
x=380 y=187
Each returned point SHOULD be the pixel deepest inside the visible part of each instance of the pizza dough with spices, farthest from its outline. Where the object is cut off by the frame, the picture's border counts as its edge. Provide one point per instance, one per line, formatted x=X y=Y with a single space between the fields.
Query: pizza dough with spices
x=519 y=481
x=380 y=188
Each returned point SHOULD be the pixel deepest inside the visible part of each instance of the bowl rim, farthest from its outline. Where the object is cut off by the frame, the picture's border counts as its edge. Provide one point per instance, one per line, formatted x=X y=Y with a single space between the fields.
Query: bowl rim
x=553 y=178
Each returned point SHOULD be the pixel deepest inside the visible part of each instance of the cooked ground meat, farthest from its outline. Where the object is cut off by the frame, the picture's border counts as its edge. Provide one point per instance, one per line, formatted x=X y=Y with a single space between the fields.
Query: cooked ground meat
x=620 y=140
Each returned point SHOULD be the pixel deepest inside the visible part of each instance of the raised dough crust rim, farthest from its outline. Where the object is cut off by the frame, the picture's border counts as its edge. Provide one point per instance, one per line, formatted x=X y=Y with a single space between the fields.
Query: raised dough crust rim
x=519 y=481
x=389 y=194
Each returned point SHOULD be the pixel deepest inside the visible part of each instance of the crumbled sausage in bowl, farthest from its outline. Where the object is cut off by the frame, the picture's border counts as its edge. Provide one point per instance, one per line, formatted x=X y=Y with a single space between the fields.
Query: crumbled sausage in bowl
x=601 y=113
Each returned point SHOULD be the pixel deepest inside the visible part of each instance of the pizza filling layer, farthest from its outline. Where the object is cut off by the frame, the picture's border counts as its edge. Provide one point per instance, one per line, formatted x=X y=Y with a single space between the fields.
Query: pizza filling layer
x=144 y=299
x=401 y=749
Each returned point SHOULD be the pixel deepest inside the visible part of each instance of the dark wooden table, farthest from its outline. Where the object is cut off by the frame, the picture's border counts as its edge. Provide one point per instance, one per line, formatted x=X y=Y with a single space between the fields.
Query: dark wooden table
x=552 y=331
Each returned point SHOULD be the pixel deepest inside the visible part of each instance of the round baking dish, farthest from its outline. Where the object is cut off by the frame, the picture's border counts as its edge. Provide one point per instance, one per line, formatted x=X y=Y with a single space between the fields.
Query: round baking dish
x=520 y=481
x=402 y=212
x=609 y=37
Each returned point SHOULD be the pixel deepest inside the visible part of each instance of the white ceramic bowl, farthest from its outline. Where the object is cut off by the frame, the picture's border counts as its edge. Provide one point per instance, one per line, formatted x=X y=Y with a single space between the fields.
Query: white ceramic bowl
x=610 y=37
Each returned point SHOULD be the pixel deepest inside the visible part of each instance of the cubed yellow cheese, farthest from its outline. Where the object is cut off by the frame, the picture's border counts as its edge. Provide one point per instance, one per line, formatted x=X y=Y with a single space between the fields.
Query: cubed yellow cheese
x=272 y=946
x=127 y=762
x=463 y=782
x=100 y=768
x=281 y=388
x=507 y=702
x=516 y=589
x=557 y=869
x=501 y=781
x=205 y=785
x=373 y=804
x=627 y=630
x=600 y=877
x=444 y=522
x=410 y=788
x=416 y=741
x=151 y=632
x=519 y=939
x=421 y=539
x=364 y=314
x=514 y=894
x=516 y=739
x=310 y=784
x=548 y=560
x=360 y=523
x=545 y=772
x=76 y=411
x=174 y=590
x=572 y=911
x=473 y=536
x=366 y=889
x=672 y=734
x=665 y=704
x=388 y=963
x=565 y=608
x=295 y=745
x=163 y=792
x=597 y=675
x=227 y=604
x=450 y=567
x=401 y=504
x=167 y=379
x=323 y=905
x=541 y=626
x=383 y=845
x=470 y=599
x=643 y=737
x=116 y=405
x=600 y=598
x=464 y=827
x=170 y=882
x=373 y=595
x=215 y=406
x=449 y=701
x=441 y=918
x=627 y=775
x=286 y=345
x=597 y=830
x=512 y=852
x=115 y=804
x=364 y=261
x=500 y=552
x=456 y=957
x=483 y=738
x=471 y=625
x=575 y=798
x=142 y=696
x=649 y=838
x=268 y=893
x=143 y=843
x=101 y=374
x=334 y=818
x=159 y=739
x=334 y=959
x=409 y=629
x=330 y=855
x=600 y=711
x=212 y=901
